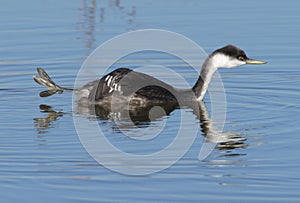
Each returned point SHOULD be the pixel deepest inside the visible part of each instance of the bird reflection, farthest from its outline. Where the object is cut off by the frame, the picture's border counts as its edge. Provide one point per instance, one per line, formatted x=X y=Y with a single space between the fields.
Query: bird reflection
x=42 y=124
x=225 y=140
x=138 y=116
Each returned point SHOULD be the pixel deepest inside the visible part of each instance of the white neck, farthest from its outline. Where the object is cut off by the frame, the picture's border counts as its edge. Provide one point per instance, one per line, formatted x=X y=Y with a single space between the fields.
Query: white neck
x=207 y=71
x=211 y=64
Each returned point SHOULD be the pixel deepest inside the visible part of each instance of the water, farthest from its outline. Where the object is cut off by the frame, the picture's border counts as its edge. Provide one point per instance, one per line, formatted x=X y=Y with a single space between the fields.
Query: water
x=45 y=161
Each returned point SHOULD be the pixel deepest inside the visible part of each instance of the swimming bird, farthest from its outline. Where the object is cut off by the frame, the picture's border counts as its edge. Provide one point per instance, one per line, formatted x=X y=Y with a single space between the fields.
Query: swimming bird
x=124 y=84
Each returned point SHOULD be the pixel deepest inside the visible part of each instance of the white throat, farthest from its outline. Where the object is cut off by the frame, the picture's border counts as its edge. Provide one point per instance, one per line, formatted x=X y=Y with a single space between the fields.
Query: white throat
x=207 y=71
x=211 y=64
x=220 y=60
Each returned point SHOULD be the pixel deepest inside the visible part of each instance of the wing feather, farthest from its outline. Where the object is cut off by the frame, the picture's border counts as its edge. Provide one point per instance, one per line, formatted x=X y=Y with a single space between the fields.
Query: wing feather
x=125 y=82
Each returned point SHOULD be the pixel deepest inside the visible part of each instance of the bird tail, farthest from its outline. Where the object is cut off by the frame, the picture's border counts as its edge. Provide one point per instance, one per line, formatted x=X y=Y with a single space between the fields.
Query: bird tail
x=44 y=80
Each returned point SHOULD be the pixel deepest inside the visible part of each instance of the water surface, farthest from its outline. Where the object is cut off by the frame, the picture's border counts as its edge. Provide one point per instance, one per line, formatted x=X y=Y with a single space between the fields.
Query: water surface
x=43 y=160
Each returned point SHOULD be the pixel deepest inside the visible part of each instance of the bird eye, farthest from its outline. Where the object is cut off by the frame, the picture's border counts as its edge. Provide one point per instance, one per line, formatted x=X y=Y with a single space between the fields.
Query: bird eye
x=241 y=58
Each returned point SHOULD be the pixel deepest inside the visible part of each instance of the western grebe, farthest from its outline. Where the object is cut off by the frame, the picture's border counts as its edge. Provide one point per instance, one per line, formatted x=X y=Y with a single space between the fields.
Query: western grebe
x=121 y=83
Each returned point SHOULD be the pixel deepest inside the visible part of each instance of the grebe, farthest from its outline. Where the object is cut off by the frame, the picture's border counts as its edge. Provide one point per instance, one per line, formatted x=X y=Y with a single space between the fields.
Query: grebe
x=121 y=83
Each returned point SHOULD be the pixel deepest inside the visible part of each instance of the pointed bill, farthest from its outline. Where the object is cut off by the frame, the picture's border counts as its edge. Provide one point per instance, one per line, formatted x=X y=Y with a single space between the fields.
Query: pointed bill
x=252 y=61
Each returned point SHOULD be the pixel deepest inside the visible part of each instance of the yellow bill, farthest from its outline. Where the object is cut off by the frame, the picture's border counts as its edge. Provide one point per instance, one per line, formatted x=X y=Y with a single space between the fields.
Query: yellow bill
x=252 y=61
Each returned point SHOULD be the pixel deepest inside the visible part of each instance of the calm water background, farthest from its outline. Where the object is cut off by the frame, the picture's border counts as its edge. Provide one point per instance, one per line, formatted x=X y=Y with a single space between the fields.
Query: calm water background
x=47 y=163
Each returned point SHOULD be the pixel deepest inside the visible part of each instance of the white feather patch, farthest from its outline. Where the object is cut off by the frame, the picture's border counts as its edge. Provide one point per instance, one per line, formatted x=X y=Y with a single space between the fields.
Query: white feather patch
x=111 y=84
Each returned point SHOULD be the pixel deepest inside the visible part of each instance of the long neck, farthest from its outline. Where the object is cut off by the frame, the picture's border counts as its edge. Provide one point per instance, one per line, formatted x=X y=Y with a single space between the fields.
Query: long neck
x=207 y=71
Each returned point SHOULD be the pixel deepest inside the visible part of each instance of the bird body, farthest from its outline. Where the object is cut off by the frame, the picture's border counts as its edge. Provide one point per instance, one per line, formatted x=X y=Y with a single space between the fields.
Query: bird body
x=126 y=85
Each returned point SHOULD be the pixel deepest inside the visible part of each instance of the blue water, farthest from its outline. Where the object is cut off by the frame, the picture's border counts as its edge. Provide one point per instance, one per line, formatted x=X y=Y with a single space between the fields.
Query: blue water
x=45 y=161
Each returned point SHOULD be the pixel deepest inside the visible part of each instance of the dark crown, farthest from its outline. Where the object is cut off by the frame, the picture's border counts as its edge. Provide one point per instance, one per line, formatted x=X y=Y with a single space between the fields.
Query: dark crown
x=231 y=51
